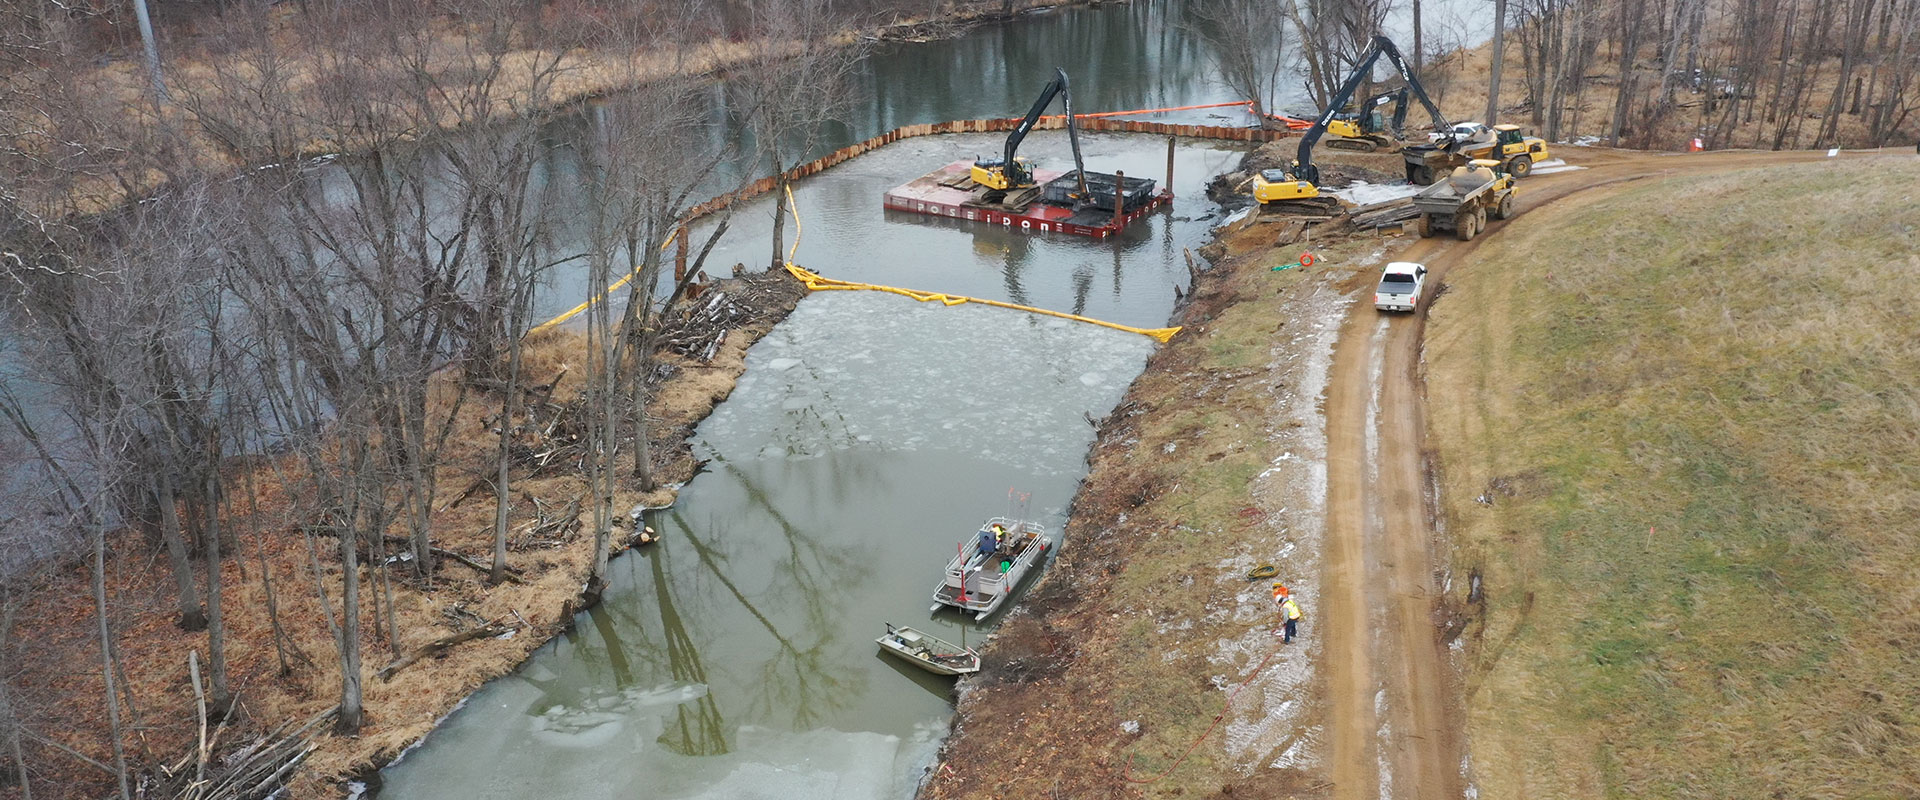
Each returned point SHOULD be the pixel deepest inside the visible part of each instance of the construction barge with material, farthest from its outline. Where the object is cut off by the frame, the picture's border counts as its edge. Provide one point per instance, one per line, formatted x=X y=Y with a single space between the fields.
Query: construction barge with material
x=1008 y=191
x=951 y=192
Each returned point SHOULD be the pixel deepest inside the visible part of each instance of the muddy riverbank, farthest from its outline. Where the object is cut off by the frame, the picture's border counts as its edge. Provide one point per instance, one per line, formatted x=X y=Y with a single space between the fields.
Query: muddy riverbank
x=1116 y=665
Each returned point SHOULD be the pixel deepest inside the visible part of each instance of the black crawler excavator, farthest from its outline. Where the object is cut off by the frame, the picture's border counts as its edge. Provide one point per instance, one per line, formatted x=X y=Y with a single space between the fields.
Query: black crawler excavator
x=1368 y=129
x=1296 y=189
x=1010 y=173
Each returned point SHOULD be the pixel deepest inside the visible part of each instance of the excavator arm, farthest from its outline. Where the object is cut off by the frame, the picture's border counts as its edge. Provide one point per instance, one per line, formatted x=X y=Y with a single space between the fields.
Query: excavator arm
x=1303 y=167
x=1399 y=119
x=1413 y=83
x=1009 y=172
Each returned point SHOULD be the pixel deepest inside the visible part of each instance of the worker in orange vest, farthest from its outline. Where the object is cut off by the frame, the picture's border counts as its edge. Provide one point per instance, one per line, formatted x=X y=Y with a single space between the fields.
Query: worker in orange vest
x=1289 y=612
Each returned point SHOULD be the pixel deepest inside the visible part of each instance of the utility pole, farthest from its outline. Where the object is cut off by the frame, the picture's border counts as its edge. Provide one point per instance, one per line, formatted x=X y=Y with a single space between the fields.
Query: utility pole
x=153 y=51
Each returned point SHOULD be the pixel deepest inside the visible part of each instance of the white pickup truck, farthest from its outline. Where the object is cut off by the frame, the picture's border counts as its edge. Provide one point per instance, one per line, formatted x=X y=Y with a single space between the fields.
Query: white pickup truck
x=1400 y=285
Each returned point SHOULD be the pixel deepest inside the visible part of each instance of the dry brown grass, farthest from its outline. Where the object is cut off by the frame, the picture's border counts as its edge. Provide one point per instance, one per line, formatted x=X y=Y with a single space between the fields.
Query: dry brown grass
x=63 y=666
x=1678 y=448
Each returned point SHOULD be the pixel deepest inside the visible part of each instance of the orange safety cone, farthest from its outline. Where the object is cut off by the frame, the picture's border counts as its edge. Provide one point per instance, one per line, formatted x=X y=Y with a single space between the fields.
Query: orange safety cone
x=1696 y=145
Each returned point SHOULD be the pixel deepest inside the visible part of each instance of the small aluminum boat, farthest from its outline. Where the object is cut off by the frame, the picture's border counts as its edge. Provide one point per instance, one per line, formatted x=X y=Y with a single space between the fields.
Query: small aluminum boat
x=983 y=574
x=937 y=656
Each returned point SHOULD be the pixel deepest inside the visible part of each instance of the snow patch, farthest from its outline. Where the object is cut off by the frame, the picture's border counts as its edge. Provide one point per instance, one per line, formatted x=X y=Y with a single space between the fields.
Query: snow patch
x=1363 y=193
x=1553 y=165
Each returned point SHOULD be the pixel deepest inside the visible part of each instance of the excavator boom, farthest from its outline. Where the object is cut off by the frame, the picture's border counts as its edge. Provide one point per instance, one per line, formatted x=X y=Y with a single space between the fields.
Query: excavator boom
x=1303 y=162
x=1009 y=172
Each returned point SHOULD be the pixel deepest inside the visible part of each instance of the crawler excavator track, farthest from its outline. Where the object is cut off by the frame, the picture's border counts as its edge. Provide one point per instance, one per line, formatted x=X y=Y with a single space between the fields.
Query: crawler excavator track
x=1325 y=206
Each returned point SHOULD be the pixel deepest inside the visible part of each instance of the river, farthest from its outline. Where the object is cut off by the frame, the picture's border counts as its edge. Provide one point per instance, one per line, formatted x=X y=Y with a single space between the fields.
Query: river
x=868 y=437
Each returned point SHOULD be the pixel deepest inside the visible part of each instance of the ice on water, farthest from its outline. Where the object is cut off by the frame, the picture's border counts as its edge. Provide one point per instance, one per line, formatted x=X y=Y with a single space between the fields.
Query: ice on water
x=607 y=745
x=866 y=369
x=822 y=764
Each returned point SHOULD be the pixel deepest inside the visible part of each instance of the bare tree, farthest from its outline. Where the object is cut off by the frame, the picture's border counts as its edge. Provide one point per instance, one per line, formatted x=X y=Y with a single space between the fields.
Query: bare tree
x=1334 y=35
x=639 y=196
x=1499 y=56
x=793 y=85
x=1249 y=42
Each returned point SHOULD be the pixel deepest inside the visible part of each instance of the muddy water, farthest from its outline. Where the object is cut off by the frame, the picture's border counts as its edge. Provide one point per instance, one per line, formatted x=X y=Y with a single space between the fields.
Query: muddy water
x=868 y=437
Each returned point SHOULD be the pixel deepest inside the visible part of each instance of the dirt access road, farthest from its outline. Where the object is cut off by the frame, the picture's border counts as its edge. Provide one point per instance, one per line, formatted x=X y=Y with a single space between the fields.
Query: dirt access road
x=1395 y=724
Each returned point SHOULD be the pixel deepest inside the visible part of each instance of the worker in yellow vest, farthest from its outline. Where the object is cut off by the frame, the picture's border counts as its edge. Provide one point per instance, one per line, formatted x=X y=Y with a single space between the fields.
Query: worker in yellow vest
x=1289 y=612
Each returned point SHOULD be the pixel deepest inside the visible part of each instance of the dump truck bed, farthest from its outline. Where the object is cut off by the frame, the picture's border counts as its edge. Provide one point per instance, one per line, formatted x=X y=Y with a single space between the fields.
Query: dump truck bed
x=1443 y=197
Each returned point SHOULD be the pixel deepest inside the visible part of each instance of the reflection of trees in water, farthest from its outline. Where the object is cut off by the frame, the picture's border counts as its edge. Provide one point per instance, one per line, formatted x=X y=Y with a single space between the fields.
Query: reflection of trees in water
x=620 y=639
x=804 y=678
x=1017 y=251
x=1082 y=283
x=700 y=730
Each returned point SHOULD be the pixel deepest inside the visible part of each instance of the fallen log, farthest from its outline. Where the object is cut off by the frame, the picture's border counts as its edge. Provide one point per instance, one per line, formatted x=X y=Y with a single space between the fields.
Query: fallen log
x=463 y=560
x=513 y=574
x=441 y=645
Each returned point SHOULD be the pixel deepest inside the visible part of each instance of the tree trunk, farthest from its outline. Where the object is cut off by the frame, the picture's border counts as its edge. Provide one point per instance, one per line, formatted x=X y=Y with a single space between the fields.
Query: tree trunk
x=780 y=218
x=502 y=483
x=106 y=656
x=350 y=718
x=603 y=356
x=216 y=623
x=410 y=419
x=1499 y=55
x=273 y=611
x=1629 y=19
x=7 y=716
x=188 y=601
x=1419 y=46
x=13 y=741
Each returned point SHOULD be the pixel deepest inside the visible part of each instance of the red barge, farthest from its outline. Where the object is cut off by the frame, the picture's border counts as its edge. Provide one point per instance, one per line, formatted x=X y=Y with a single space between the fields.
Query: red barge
x=1042 y=208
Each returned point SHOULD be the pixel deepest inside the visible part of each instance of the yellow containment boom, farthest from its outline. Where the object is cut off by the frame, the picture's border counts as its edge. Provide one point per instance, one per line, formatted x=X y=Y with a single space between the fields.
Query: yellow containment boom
x=815 y=283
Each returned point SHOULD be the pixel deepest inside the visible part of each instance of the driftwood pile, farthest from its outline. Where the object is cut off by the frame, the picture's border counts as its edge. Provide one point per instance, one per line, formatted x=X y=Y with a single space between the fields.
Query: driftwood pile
x=699 y=333
x=698 y=327
x=548 y=528
x=252 y=772
x=551 y=436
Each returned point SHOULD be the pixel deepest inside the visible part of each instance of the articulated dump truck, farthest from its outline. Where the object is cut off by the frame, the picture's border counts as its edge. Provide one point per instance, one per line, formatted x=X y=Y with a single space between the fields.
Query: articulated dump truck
x=1462 y=201
x=1468 y=141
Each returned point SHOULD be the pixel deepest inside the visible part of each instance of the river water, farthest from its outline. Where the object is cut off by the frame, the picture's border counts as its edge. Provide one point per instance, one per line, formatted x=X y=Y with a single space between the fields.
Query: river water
x=869 y=436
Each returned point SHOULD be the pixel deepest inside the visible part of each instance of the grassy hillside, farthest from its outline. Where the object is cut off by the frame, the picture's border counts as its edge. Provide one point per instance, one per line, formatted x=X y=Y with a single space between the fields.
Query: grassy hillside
x=1678 y=434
